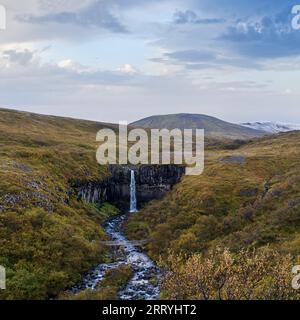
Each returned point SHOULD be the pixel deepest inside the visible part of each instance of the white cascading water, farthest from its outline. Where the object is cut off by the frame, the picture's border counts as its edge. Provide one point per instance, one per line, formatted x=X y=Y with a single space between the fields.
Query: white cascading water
x=145 y=283
x=133 y=202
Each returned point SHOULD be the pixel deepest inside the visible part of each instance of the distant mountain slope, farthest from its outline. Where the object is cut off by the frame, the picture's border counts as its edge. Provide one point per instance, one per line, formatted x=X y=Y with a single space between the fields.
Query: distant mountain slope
x=272 y=127
x=213 y=127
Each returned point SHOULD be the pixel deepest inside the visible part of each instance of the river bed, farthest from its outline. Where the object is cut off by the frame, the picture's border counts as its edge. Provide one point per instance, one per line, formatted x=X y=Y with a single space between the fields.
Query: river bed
x=144 y=284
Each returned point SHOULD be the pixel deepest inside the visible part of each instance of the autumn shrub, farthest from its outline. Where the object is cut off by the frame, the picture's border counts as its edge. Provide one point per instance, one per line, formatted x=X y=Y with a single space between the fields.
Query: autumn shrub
x=45 y=253
x=251 y=274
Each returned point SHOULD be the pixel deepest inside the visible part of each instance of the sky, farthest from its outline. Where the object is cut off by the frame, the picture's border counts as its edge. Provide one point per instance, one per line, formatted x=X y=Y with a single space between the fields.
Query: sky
x=122 y=60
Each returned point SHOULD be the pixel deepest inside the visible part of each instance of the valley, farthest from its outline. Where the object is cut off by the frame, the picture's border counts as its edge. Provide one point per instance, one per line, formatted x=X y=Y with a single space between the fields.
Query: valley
x=60 y=216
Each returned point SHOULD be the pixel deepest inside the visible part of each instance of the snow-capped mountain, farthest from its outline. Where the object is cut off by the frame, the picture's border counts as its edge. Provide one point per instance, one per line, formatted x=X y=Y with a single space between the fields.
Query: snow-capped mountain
x=272 y=127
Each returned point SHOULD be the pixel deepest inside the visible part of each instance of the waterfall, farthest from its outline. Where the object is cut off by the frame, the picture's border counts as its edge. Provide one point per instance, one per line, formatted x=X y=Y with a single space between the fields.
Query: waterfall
x=133 y=202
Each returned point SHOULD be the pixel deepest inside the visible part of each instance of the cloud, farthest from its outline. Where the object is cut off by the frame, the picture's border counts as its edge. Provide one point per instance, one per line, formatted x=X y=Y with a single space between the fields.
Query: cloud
x=266 y=37
x=128 y=68
x=63 y=73
x=204 y=59
x=190 y=17
x=191 y=56
x=240 y=34
x=95 y=15
x=243 y=7
x=23 y=57
x=101 y=64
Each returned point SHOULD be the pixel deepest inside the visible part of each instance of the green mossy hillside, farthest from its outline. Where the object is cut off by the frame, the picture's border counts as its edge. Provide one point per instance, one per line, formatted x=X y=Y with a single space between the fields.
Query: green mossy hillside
x=247 y=197
x=48 y=238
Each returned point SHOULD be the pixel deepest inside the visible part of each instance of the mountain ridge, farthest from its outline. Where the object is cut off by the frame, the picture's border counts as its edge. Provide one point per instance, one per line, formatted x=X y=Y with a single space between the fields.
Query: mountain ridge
x=272 y=127
x=213 y=126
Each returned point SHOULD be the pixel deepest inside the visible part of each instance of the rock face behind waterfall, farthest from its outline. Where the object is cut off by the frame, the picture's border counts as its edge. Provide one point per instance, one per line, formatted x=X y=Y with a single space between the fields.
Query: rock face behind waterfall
x=152 y=182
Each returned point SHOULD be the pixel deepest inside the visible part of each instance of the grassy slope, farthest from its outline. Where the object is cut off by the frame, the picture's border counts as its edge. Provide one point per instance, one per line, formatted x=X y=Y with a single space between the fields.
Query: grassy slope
x=233 y=203
x=214 y=128
x=47 y=237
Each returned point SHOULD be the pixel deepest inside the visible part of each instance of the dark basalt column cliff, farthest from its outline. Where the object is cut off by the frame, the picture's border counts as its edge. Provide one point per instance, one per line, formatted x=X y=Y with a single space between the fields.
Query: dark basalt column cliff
x=152 y=182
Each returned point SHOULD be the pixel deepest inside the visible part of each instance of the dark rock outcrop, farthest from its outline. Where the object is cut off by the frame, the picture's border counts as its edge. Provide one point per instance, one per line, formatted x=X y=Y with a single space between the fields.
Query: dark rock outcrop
x=152 y=182
x=234 y=159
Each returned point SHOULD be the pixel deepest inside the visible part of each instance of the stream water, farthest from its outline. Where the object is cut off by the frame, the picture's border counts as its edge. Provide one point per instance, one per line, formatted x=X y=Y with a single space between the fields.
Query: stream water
x=145 y=281
x=144 y=284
